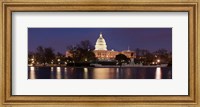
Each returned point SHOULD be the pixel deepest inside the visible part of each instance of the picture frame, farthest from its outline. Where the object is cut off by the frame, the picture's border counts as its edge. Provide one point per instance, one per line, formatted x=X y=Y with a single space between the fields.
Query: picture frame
x=9 y=6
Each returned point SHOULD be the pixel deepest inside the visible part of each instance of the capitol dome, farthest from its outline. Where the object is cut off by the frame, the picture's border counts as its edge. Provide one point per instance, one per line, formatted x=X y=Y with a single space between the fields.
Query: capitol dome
x=101 y=43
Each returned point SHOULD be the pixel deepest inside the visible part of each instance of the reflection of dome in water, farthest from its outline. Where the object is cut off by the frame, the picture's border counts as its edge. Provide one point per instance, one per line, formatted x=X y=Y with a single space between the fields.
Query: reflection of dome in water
x=101 y=43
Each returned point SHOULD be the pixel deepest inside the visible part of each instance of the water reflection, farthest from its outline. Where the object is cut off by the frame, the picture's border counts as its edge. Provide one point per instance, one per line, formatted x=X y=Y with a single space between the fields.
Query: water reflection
x=58 y=73
x=51 y=68
x=52 y=73
x=117 y=73
x=169 y=75
x=128 y=74
x=158 y=74
x=142 y=73
x=85 y=73
x=100 y=73
x=32 y=73
x=65 y=73
x=112 y=73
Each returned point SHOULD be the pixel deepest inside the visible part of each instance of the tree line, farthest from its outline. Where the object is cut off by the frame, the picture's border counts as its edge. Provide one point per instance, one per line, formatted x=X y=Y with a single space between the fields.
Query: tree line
x=83 y=53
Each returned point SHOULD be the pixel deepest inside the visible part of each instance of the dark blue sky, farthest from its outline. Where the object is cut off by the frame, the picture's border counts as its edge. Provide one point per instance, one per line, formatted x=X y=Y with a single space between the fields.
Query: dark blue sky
x=116 y=38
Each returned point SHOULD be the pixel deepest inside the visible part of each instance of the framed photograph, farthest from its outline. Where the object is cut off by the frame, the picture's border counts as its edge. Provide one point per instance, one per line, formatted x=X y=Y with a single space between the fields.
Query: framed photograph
x=105 y=53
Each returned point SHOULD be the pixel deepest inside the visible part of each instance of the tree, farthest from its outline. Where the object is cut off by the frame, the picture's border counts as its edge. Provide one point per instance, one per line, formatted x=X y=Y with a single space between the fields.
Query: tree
x=49 y=54
x=31 y=57
x=39 y=54
x=44 y=55
x=121 y=58
x=144 y=56
x=82 y=52
x=60 y=58
x=85 y=45
x=149 y=58
x=163 y=55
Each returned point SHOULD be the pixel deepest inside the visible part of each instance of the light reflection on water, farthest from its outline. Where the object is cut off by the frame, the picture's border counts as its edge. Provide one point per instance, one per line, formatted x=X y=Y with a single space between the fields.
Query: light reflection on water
x=128 y=73
x=32 y=73
x=51 y=68
x=99 y=73
x=65 y=74
x=117 y=73
x=58 y=73
x=85 y=73
x=158 y=73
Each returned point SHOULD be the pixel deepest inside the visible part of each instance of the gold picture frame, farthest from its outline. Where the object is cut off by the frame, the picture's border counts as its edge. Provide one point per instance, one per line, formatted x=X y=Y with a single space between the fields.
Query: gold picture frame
x=9 y=6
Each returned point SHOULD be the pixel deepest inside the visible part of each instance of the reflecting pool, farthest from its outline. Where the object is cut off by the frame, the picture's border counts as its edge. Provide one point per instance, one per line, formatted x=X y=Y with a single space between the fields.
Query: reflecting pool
x=99 y=73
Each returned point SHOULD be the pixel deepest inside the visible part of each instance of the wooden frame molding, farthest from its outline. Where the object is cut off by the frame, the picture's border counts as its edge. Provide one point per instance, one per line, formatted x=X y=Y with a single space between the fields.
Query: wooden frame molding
x=9 y=6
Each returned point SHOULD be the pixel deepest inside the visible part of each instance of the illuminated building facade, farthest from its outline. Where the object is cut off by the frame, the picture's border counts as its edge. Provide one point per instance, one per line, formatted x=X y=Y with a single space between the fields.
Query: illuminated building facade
x=102 y=53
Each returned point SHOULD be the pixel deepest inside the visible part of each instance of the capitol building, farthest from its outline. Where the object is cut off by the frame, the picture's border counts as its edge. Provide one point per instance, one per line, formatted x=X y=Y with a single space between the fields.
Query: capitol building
x=102 y=53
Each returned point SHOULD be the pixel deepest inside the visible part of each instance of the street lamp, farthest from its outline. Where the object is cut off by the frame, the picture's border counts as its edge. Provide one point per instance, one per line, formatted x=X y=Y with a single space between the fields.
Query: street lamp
x=58 y=61
x=32 y=61
x=158 y=61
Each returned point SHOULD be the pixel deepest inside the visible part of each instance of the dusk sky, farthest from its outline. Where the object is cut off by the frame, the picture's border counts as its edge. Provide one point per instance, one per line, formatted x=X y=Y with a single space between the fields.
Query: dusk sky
x=116 y=38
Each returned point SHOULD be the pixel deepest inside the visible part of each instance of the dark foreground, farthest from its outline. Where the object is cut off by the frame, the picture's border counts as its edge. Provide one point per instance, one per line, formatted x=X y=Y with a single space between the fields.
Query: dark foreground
x=99 y=73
